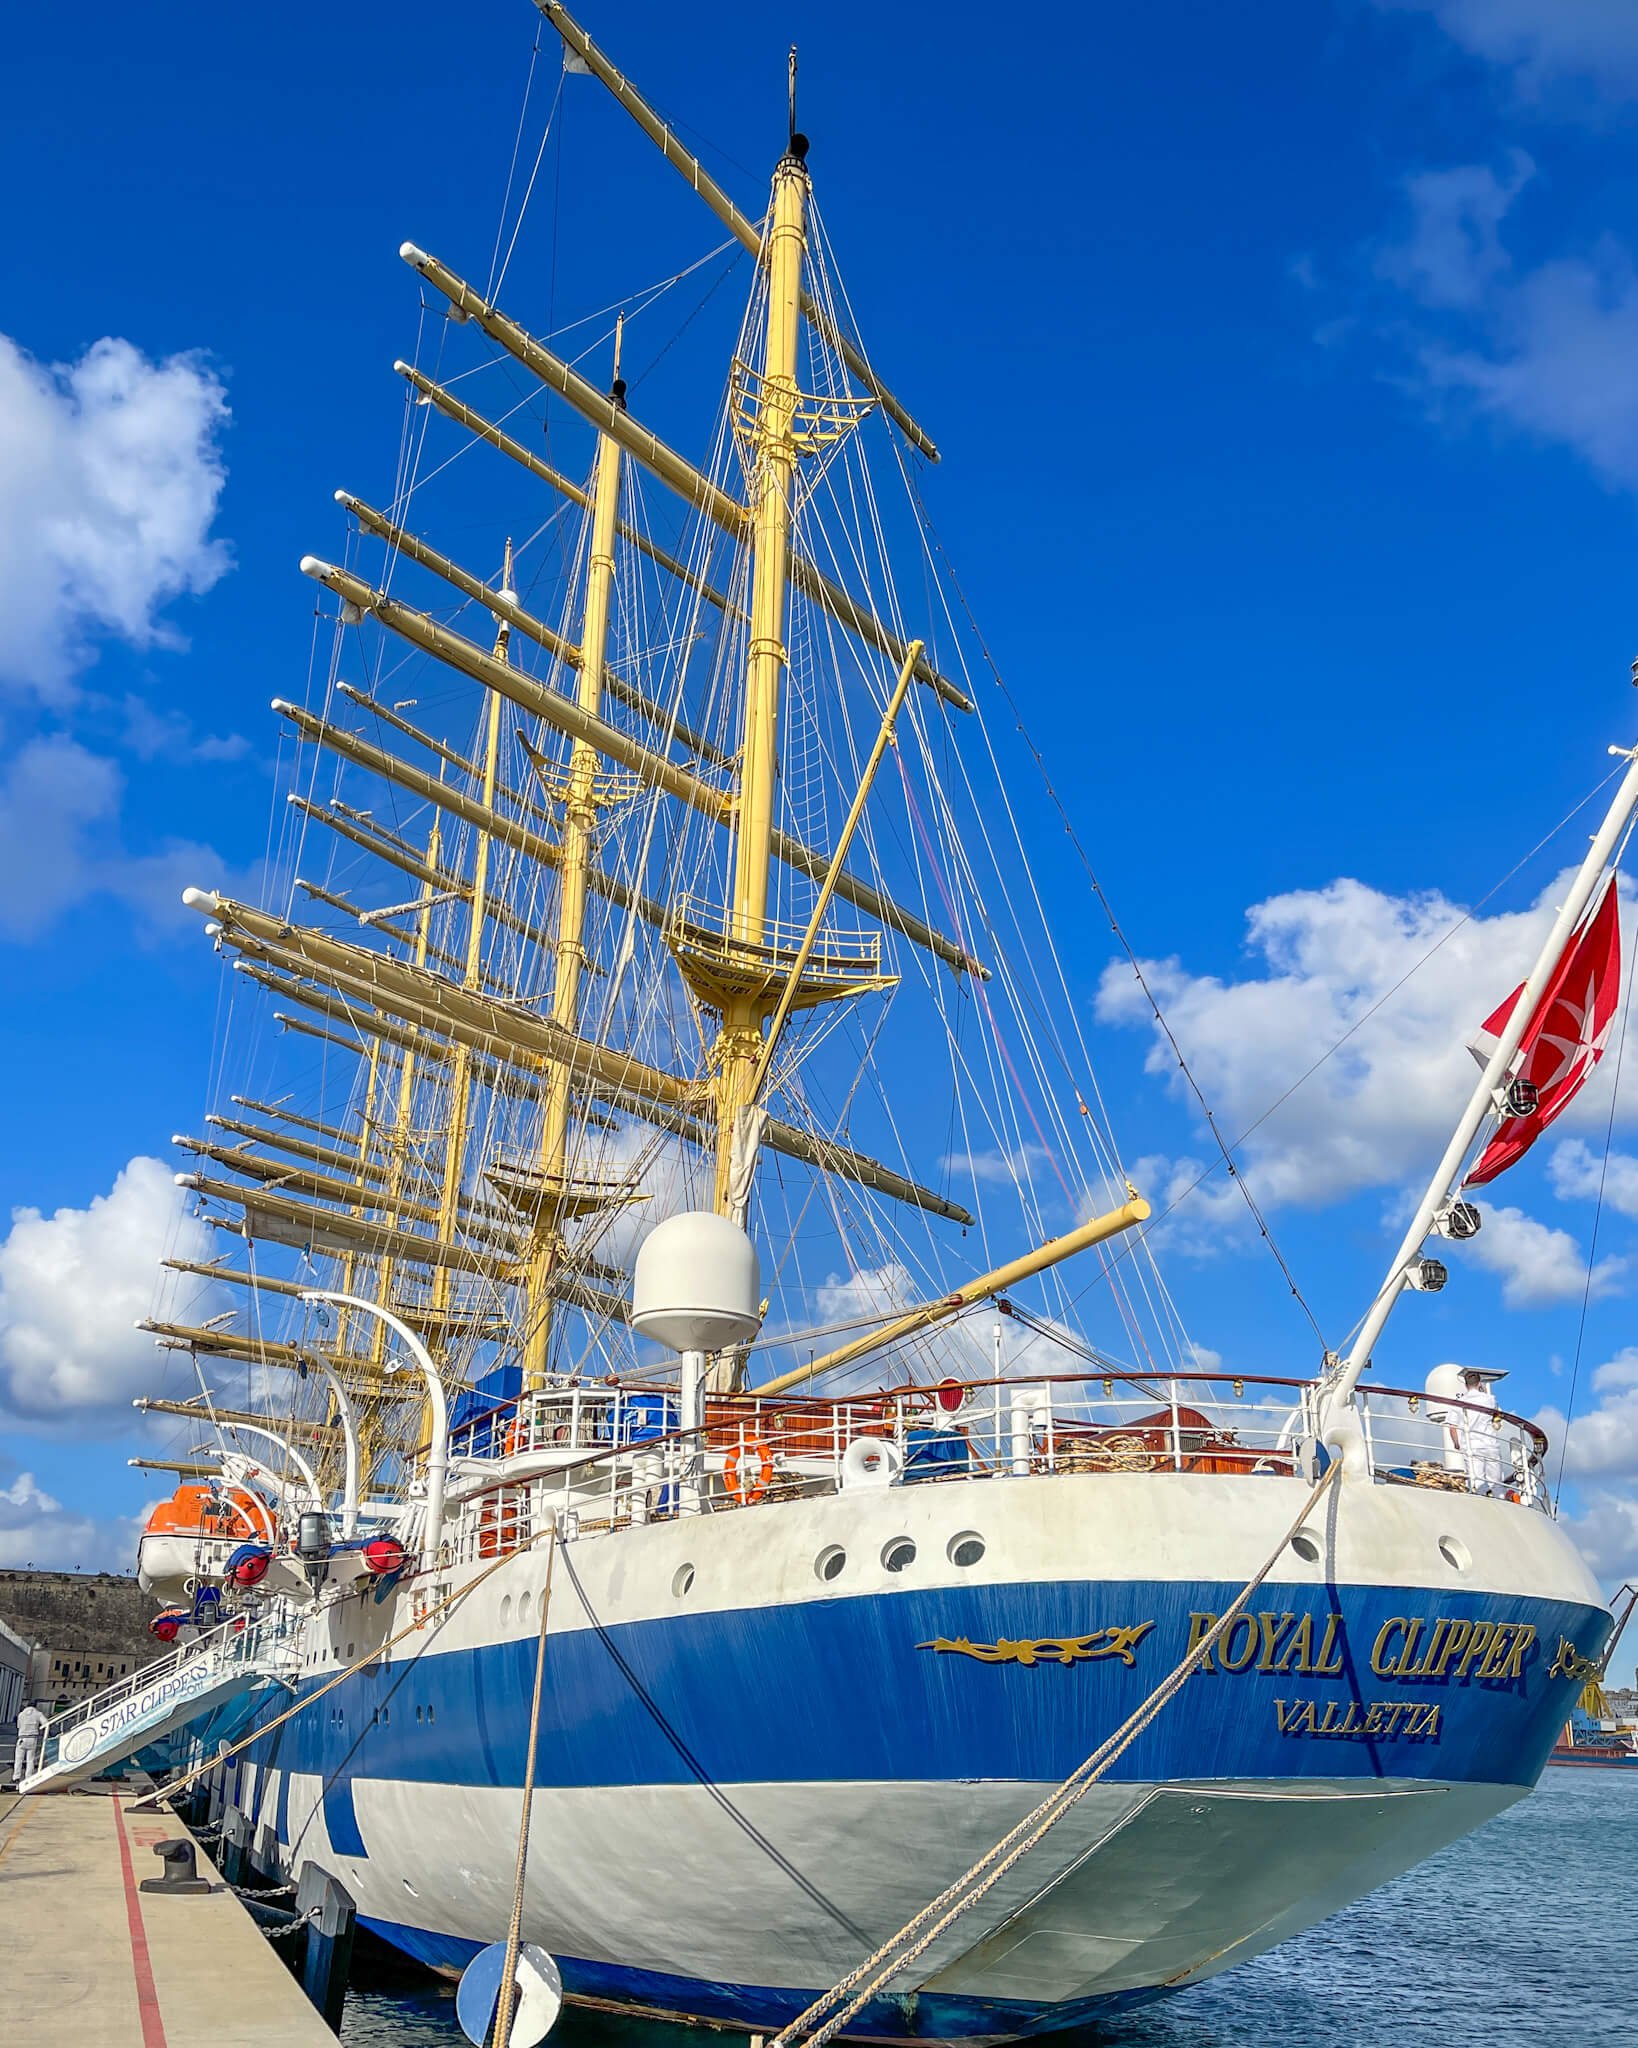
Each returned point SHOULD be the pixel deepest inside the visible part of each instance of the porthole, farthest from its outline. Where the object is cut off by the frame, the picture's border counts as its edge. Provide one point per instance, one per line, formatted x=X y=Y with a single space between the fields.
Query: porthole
x=526 y=1608
x=682 y=1581
x=828 y=1564
x=432 y=1712
x=506 y=1611
x=965 y=1549
x=898 y=1554
x=418 y=1713
x=1455 y=1553
x=1306 y=1547
x=404 y=1881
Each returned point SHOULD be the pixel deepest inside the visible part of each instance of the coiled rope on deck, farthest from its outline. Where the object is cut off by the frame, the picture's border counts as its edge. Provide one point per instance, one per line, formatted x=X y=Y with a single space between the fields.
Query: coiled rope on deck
x=847 y=1998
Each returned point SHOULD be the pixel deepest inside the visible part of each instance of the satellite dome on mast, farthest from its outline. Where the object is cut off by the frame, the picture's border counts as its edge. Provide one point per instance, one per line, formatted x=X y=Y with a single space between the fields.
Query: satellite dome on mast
x=698 y=1284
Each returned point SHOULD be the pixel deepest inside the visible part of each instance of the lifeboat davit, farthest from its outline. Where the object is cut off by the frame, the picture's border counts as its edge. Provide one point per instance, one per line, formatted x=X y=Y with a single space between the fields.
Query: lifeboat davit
x=190 y=1538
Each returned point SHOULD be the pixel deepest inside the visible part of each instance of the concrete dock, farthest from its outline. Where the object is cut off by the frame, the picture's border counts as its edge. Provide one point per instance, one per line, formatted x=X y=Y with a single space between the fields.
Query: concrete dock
x=90 y=1961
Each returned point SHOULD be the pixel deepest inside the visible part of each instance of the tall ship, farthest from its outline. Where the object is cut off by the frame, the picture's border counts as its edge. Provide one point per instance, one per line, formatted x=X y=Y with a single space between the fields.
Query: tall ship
x=664 y=1342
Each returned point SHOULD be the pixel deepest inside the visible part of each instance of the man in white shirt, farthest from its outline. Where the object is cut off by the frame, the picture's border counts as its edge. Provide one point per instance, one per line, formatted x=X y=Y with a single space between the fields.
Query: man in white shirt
x=31 y=1728
x=1476 y=1446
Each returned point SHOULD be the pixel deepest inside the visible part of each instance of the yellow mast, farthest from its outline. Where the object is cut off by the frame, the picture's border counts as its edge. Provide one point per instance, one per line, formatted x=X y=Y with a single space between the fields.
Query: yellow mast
x=579 y=828
x=460 y=1087
x=403 y=1117
x=739 y=1049
x=368 y=1420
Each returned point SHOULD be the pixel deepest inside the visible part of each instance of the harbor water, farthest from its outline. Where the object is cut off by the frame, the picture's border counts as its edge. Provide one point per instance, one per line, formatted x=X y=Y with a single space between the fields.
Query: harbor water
x=1520 y=1936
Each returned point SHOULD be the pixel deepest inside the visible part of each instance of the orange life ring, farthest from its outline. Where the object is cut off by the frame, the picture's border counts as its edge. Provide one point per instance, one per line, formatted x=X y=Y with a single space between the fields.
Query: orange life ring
x=514 y=1436
x=744 y=1487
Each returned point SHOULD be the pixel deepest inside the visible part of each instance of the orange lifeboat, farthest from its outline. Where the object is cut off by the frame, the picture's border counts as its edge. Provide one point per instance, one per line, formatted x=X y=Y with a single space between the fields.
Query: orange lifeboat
x=189 y=1538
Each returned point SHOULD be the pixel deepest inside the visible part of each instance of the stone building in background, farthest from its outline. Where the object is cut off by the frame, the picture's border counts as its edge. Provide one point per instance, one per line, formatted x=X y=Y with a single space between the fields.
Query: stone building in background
x=15 y=1652
x=87 y=1629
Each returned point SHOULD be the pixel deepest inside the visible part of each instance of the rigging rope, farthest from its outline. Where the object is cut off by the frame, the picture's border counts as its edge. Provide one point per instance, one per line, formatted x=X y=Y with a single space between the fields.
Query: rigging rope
x=844 y=2000
x=514 y=1930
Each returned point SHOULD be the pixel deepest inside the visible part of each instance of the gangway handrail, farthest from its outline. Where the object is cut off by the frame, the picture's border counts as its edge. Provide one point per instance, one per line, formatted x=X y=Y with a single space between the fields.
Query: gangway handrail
x=243 y=1633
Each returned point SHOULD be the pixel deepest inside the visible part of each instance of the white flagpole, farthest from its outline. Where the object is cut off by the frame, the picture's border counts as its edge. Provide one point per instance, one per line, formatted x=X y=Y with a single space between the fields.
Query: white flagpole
x=1482 y=1102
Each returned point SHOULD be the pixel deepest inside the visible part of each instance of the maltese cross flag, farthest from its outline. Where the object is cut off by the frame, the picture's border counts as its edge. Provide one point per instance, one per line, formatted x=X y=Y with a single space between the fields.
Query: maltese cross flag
x=1566 y=1037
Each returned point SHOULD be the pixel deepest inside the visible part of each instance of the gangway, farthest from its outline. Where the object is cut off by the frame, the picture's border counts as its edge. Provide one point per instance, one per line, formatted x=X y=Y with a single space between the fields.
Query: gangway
x=195 y=1679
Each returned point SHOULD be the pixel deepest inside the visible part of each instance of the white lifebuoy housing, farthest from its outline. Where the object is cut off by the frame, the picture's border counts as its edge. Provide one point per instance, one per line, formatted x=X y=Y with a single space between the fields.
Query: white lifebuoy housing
x=871 y=1461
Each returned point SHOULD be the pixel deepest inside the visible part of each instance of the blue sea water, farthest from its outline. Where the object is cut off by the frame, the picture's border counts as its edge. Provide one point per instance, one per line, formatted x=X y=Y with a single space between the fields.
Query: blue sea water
x=1524 y=1934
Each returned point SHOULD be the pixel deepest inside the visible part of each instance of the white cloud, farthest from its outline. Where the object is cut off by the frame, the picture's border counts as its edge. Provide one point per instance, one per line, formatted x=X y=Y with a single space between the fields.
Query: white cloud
x=1557 y=356
x=73 y=1285
x=54 y=796
x=60 y=844
x=866 y=1294
x=38 y=1532
x=110 y=473
x=1197 y=1209
x=1579 y=1173
x=1538 y=1265
x=1379 y=1111
x=1602 y=1443
x=669 y=1176
x=1551 y=351
x=149 y=732
x=1606 y=1534
x=1454 y=250
x=1543 y=41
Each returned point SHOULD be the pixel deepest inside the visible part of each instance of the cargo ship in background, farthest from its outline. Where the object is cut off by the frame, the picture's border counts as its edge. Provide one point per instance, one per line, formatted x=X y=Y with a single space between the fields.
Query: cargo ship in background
x=1591 y=1737
x=659 y=1196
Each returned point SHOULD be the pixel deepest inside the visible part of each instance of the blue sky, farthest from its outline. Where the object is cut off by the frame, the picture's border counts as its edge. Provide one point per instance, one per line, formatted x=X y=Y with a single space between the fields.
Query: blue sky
x=1285 y=365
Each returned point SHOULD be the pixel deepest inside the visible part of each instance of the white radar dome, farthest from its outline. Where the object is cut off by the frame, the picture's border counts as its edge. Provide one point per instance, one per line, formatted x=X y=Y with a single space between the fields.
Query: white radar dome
x=1444 y=1383
x=698 y=1285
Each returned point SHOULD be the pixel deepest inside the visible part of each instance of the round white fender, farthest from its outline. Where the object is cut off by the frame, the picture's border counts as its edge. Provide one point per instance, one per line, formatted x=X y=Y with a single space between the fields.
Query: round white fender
x=871 y=1461
x=535 y=2008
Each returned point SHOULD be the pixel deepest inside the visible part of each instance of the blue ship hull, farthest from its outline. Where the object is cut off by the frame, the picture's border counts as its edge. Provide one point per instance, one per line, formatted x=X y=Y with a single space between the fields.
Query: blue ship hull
x=1327 y=1687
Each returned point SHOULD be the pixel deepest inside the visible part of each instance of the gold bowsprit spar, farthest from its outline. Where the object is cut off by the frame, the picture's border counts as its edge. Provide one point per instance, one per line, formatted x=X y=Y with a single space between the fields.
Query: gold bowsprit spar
x=1116 y=1641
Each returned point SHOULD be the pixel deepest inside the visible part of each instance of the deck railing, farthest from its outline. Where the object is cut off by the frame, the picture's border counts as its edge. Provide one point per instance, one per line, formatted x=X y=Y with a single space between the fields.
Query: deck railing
x=616 y=1456
x=243 y=1641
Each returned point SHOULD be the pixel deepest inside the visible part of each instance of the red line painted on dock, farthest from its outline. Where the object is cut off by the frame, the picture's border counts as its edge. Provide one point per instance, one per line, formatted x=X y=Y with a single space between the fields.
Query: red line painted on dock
x=153 y=2028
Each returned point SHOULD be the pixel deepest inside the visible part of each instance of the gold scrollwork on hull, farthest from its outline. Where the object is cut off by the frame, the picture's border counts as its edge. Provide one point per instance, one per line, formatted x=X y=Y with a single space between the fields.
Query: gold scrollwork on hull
x=1569 y=1663
x=1117 y=1641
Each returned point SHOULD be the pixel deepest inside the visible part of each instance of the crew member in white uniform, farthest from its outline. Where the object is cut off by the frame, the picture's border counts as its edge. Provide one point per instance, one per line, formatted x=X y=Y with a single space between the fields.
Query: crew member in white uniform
x=1473 y=1442
x=31 y=1728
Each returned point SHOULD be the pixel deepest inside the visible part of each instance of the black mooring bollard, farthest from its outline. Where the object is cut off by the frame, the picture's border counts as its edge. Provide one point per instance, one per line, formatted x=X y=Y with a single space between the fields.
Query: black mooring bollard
x=327 y=1952
x=181 y=1873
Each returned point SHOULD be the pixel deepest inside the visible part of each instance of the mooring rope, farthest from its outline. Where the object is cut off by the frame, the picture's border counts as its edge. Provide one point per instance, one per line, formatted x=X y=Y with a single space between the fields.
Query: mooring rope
x=860 y=1985
x=514 y=1928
